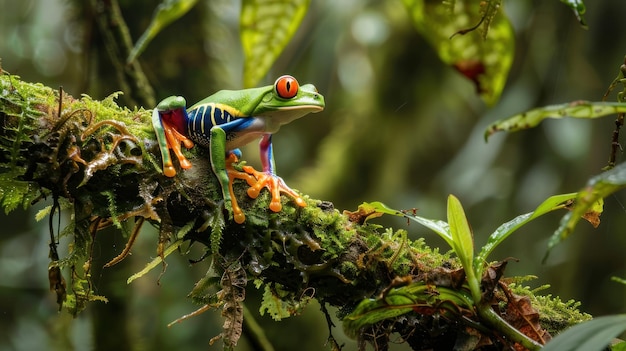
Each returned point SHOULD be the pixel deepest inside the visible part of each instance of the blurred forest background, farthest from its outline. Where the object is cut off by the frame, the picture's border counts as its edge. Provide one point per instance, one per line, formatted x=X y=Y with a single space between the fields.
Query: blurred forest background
x=399 y=127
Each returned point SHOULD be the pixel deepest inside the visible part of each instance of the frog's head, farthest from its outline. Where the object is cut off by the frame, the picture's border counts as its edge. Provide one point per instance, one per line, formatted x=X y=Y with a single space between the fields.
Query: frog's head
x=287 y=100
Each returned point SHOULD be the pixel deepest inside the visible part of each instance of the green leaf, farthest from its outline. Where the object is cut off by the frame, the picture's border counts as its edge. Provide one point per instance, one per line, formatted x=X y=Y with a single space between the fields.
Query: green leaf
x=15 y=193
x=621 y=346
x=167 y=12
x=499 y=235
x=398 y=301
x=273 y=305
x=461 y=233
x=369 y=210
x=155 y=262
x=579 y=10
x=266 y=28
x=440 y=227
x=588 y=200
x=575 y=109
x=43 y=213
x=619 y=280
x=380 y=207
x=484 y=47
x=371 y=311
x=594 y=335
x=280 y=303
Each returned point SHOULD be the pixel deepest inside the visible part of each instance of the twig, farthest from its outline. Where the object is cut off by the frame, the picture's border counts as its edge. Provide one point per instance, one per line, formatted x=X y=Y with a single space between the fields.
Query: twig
x=118 y=43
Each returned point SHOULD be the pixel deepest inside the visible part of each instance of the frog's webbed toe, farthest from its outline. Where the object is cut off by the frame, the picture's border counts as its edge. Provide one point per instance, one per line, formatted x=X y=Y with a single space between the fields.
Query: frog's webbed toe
x=275 y=184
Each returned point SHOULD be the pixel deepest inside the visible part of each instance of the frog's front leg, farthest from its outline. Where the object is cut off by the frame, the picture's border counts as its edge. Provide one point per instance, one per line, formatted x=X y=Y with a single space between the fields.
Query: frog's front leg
x=268 y=178
x=168 y=119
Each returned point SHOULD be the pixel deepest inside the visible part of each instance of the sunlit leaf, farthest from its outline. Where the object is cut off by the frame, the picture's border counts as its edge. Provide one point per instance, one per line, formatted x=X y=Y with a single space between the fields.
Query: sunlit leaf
x=587 y=200
x=575 y=109
x=266 y=28
x=461 y=233
x=499 y=235
x=579 y=10
x=594 y=335
x=167 y=12
x=483 y=57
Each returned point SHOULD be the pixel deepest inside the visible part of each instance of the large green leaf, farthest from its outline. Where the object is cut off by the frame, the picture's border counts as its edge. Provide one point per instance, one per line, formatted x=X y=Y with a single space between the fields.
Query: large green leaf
x=588 y=201
x=575 y=109
x=266 y=28
x=483 y=47
x=499 y=235
x=167 y=12
x=594 y=335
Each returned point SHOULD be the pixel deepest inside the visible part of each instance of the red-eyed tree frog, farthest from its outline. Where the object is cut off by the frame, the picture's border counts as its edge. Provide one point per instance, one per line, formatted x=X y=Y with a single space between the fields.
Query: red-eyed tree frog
x=229 y=119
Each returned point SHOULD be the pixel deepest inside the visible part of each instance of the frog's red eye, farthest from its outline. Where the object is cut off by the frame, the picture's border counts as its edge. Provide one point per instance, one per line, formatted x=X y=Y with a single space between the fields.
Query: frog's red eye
x=286 y=87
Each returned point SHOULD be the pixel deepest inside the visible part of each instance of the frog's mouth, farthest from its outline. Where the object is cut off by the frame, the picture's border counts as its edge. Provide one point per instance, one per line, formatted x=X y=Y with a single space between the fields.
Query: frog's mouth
x=301 y=108
x=286 y=114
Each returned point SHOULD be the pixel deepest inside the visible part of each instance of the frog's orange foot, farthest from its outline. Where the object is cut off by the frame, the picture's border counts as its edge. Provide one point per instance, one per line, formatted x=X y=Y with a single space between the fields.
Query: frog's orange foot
x=275 y=184
x=233 y=174
x=169 y=170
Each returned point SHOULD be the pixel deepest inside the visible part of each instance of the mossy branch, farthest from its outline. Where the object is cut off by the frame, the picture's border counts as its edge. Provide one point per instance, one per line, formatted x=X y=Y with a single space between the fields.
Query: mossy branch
x=101 y=161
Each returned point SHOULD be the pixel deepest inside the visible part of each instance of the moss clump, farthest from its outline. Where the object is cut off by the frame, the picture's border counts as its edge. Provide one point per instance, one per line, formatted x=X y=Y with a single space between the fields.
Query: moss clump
x=555 y=315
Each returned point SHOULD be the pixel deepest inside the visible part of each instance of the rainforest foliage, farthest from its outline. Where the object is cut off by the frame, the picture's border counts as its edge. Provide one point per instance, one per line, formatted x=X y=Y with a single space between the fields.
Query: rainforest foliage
x=100 y=165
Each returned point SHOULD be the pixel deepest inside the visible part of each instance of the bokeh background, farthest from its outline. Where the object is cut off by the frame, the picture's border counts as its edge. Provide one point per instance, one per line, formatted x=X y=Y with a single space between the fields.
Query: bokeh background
x=400 y=127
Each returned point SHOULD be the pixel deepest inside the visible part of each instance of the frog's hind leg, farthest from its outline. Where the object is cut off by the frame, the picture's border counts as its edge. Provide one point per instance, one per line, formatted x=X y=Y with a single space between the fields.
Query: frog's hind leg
x=268 y=178
x=222 y=163
x=233 y=157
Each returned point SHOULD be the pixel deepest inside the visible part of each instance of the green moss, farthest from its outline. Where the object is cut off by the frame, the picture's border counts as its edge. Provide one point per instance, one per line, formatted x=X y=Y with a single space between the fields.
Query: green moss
x=329 y=226
x=555 y=315
x=20 y=118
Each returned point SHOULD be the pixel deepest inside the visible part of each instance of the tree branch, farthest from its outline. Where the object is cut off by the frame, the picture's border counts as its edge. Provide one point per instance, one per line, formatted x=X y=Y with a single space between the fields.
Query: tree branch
x=118 y=44
x=102 y=162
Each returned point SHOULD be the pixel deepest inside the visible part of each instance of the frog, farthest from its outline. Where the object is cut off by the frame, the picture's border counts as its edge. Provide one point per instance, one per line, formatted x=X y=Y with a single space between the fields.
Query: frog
x=228 y=120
